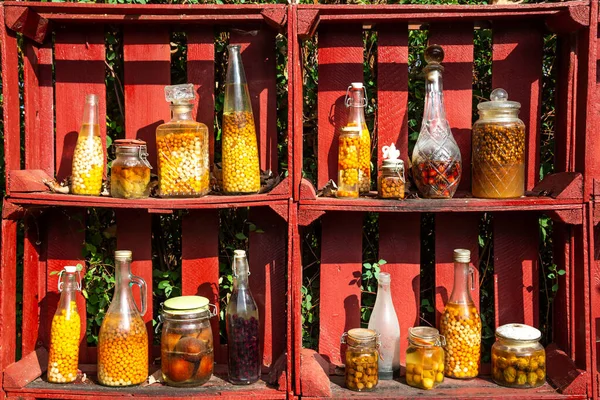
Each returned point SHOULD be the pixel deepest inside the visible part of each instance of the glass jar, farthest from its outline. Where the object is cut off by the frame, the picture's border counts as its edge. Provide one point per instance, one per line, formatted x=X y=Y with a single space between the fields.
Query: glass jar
x=499 y=149
x=65 y=333
x=424 y=358
x=436 y=159
x=348 y=162
x=241 y=169
x=123 y=339
x=130 y=171
x=356 y=101
x=186 y=345
x=460 y=323
x=182 y=148
x=518 y=358
x=362 y=357
x=391 y=183
x=88 y=158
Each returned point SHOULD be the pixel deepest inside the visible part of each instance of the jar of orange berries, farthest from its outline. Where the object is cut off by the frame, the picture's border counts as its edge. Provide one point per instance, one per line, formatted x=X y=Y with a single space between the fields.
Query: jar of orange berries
x=348 y=162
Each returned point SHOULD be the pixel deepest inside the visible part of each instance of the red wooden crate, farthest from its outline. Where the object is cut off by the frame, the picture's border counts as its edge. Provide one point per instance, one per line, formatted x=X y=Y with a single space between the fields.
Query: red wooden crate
x=72 y=37
x=517 y=67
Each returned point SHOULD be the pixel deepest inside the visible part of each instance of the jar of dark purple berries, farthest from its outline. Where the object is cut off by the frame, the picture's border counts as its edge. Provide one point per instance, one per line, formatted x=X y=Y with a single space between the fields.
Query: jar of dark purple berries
x=243 y=344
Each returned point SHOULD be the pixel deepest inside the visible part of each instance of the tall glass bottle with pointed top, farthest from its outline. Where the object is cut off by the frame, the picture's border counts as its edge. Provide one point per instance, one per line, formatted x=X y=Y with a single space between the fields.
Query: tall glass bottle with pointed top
x=436 y=160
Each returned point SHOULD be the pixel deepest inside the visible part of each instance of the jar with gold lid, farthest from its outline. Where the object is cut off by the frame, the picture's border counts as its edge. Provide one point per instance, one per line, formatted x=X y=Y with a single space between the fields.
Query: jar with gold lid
x=425 y=357
x=130 y=171
x=362 y=357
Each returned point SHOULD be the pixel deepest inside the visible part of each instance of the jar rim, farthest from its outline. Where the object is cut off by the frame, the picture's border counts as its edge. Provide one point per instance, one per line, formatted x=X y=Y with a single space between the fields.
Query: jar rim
x=425 y=336
x=518 y=332
x=361 y=336
x=186 y=305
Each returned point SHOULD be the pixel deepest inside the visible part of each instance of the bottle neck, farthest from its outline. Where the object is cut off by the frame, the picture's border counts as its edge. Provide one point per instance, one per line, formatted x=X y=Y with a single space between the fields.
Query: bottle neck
x=122 y=278
x=356 y=109
x=434 y=96
x=181 y=112
x=240 y=272
x=383 y=291
x=461 y=290
x=91 y=113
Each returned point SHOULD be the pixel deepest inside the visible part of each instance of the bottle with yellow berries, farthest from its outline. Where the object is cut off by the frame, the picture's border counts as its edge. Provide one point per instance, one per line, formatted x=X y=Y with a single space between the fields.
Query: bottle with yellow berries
x=241 y=170
x=88 y=158
x=123 y=339
x=356 y=101
x=182 y=148
x=460 y=323
x=65 y=334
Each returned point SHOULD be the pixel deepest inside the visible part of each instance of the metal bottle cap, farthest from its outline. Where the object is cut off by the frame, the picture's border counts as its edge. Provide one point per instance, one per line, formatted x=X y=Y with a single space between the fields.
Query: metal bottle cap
x=462 y=255
x=123 y=255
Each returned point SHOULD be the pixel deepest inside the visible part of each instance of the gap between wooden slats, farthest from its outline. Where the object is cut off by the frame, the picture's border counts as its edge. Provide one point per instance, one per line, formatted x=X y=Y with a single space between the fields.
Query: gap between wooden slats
x=296 y=112
x=8 y=292
x=201 y=72
x=392 y=96
x=79 y=71
x=258 y=56
x=562 y=328
x=581 y=287
x=134 y=232
x=453 y=231
x=341 y=270
x=517 y=67
x=147 y=57
x=399 y=245
x=340 y=64
x=457 y=42
x=516 y=249
x=268 y=280
x=200 y=264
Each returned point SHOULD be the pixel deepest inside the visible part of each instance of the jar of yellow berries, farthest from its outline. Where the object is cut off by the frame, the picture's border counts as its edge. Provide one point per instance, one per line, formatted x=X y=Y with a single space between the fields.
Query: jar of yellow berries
x=348 y=162
x=362 y=357
x=425 y=358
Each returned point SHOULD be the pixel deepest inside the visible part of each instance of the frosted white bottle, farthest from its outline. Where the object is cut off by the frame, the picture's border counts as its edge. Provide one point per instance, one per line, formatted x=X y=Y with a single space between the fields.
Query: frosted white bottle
x=385 y=322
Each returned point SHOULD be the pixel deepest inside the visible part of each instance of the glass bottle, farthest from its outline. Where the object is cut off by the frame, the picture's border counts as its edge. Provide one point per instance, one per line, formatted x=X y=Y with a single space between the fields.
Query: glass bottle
x=242 y=324
x=88 y=157
x=123 y=339
x=182 y=148
x=499 y=149
x=348 y=162
x=385 y=322
x=356 y=101
x=460 y=323
x=130 y=171
x=63 y=356
x=518 y=358
x=436 y=160
x=424 y=357
x=241 y=170
x=391 y=183
x=362 y=357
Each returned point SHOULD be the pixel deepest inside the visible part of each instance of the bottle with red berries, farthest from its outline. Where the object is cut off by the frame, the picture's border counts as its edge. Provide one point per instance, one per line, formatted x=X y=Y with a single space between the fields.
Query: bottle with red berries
x=242 y=327
x=436 y=161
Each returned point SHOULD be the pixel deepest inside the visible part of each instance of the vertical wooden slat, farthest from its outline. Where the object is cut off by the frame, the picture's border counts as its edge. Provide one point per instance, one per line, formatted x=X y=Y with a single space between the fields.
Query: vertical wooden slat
x=454 y=232
x=200 y=263
x=563 y=255
x=340 y=63
x=517 y=51
x=516 y=267
x=457 y=42
x=399 y=244
x=258 y=56
x=268 y=280
x=8 y=299
x=581 y=296
x=565 y=110
x=297 y=276
x=341 y=270
x=295 y=102
x=392 y=96
x=201 y=72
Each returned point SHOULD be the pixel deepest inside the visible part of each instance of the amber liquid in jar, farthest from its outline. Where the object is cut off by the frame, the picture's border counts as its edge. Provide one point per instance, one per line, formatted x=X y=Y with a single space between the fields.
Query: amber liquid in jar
x=461 y=326
x=187 y=357
x=64 y=346
x=88 y=162
x=362 y=370
x=522 y=370
x=129 y=182
x=424 y=366
x=348 y=163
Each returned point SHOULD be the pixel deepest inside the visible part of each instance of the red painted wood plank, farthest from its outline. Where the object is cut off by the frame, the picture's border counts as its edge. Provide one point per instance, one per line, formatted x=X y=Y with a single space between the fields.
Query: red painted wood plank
x=457 y=41
x=454 y=232
x=79 y=70
x=268 y=266
x=39 y=107
x=200 y=263
x=147 y=56
x=8 y=300
x=296 y=100
x=517 y=52
x=399 y=245
x=581 y=295
x=10 y=97
x=566 y=97
x=134 y=232
x=563 y=257
x=516 y=267
x=201 y=72
x=341 y=270
x=340 y=63
x=258 y=57
x=297 y=277
x=392 y=95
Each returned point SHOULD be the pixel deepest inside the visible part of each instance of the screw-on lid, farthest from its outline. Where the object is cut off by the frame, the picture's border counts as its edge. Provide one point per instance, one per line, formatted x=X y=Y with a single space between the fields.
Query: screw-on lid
x=499 y=101
x=123 y=255
x=71 y=269
x=462 y=255
x=186 y=305
x=518 y=332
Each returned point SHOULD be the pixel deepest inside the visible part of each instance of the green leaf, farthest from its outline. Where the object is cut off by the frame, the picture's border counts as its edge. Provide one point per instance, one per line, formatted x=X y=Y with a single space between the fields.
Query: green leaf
x=561 y=272
x=240 y=236
x=555 y=288
x=382 y=262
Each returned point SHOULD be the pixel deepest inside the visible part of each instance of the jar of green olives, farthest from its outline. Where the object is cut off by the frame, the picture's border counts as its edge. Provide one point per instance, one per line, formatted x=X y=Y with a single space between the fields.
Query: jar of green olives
x=518 y=359
x=362 y=356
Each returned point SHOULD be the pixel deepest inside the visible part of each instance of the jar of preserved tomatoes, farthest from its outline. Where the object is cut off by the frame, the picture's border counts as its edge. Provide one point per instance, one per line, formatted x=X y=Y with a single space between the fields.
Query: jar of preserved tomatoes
x=362 y=357
x=130 y=172
x=518 y=358
x=425 y=357
x=391 y=183
x=499 y=149
x=186 y=345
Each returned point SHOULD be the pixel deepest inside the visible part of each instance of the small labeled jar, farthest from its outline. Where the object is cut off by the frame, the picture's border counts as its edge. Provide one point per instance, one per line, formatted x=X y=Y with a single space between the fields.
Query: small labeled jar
x=362 y=356
x=518 y=358
x=130 y=172
x=425 y=358
x=391 y=182
x=186 y=345
x=498 y=149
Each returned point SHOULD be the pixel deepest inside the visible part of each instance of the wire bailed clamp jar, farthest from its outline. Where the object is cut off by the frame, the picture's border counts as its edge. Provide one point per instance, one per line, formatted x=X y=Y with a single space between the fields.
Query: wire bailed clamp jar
x=425 y=357
x=362 y=356
x=130 y=172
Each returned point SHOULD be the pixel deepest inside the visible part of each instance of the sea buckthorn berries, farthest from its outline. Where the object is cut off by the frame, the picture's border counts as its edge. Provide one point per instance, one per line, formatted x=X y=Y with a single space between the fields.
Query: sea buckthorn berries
x=88 y=166
x=348 y=165
x=64 y=345
x=461 y=326
x=241 y=170
x=364 y=159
